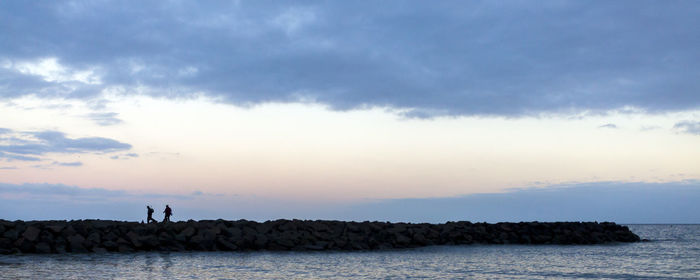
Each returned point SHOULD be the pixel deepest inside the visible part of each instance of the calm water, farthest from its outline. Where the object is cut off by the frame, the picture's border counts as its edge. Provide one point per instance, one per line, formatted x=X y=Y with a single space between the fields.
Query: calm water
x=674 y=253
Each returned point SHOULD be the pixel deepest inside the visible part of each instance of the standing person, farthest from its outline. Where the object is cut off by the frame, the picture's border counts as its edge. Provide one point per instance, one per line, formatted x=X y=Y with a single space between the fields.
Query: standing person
x=168 y=212
x=150 y=215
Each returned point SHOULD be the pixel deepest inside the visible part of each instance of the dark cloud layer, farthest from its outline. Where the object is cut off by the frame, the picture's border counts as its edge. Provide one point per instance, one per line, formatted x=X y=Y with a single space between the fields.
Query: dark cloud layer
x=639 y=202
x=28 y=146
x=447 y=58
x=673 y=202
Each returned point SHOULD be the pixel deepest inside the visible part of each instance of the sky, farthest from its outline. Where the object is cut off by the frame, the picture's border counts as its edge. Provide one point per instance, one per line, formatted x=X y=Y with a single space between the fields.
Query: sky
x=394 y=110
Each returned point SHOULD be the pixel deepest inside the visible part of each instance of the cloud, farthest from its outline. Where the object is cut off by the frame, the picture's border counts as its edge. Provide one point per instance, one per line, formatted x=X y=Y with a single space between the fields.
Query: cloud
x=637 y=202
x=27 y=146
x=105 y=119
x=427 y=59
x=11 y=157
x=50 y=190
x=57 y=142
x=608 y=125
x=31 y=201
x=125 y=156
x=690 y=127
x=4 y=130
x=53 y=191
x=74 y=163
x=8 y=167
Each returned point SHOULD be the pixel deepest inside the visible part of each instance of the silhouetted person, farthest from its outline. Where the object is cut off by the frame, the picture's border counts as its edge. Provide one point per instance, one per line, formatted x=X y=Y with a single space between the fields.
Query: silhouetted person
x=168 y=212
x=150 y=215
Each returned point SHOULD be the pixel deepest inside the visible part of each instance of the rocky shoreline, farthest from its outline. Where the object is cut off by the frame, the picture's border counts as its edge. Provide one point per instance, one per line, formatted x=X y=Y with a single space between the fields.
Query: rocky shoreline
x=84 y=236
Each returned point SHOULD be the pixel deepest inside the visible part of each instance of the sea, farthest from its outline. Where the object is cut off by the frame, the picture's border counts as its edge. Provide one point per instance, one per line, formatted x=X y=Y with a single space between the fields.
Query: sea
x=672 y=252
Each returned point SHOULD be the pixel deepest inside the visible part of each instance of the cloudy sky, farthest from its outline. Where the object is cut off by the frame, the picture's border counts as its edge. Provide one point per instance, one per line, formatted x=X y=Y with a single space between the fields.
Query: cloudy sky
x=393 y=110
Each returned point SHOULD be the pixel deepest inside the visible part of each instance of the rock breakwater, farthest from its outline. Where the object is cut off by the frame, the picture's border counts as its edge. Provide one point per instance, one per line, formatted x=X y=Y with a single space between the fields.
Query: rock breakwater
x=83 y=236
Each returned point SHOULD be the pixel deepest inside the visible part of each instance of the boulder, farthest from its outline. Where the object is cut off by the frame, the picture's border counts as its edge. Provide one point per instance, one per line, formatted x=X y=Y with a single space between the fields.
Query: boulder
x=134 y=238
x=420 y=239
x=111 y=236
x=5 y=243
x=99 y=250
x=75 y=243
x=234 y=232
x=224 y=244
x=55 y=228
x=43 y=248
x=152 y=242
x=402 y=240
x=123 y=248
x=24 y=245
x=68 y=231
x=188 y=232
x=10 y=234
x=260 y=241
x=100 y=236
x=94 y=238
x=110 y=245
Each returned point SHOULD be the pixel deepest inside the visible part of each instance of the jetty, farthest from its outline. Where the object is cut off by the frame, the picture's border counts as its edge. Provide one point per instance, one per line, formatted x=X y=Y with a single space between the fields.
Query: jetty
x=100 y=236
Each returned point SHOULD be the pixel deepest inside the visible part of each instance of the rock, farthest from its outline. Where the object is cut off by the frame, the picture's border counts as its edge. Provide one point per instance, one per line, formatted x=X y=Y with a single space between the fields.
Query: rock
x=284 y=243
x=248 y=231
x=110 y=245
x=68 y=231
x=75 y=243
x=226 y=245
x=61 y=236
x=134 y=238
x=99 y=250
x=152 y=242
x=260 y=241
x=188 y=232
x=123 y=248
x=111 y=236
x=10 y=234
x=5 y=243
x=61 y=249
x=402 y=239
x=94 y=238
x=420 y=239
x=263 y=227
x=55 y=228
x=43 y=248
x=80 y=228
x=24 y=245
x=20 y=227
x=46 y=236
x=313 y=247
x=203 y=240
x=234 y=232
